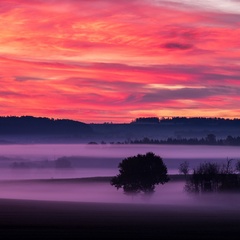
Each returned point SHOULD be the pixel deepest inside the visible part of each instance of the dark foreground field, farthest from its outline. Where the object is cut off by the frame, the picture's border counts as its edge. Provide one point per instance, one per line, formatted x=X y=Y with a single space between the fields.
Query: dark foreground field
x=67 y=220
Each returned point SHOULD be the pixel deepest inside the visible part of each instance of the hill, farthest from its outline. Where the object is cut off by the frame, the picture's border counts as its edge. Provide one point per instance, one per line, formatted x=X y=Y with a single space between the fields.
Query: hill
x=28 y=128
x=177 y=127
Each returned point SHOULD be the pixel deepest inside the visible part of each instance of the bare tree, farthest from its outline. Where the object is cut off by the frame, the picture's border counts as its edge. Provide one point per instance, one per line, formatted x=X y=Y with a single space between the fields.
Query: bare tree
x=237 y=167
x=227 y=168
x=184 y=168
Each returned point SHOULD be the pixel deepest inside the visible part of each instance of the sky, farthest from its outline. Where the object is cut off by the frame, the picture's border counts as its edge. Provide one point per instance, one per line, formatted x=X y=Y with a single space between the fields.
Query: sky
x=113 y=61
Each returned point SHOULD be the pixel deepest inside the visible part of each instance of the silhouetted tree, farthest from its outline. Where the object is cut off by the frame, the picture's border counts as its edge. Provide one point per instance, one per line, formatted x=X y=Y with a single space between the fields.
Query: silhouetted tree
x=140 y=173
x=227 y=168
x=211 y=139
x=237 y=167
x=147 y=120
x=229 y=140
x=62 y=163
x=19 y=165
x=184 y=168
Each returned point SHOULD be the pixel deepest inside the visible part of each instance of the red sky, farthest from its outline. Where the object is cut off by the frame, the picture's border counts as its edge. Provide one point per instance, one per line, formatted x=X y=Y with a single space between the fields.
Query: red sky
x=113 y=61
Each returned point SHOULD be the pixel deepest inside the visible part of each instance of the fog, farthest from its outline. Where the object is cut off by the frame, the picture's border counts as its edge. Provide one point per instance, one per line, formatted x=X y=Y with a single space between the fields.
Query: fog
x=102 y=160
x=170 y=194
x=52 y=151
x=52 y=173
x=86 y=192
x=99 y=160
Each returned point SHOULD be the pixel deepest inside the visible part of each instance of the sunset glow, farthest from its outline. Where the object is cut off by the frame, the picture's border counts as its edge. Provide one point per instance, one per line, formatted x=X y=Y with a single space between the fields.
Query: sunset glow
x=113 y=61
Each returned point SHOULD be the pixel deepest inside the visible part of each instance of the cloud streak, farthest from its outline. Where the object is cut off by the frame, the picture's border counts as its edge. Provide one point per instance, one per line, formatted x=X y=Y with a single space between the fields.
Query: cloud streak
x=177 y=46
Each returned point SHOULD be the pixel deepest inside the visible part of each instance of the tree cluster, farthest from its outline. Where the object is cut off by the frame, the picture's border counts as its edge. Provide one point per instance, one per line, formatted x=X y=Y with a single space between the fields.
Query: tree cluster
x=213 y=177
x=146 y=120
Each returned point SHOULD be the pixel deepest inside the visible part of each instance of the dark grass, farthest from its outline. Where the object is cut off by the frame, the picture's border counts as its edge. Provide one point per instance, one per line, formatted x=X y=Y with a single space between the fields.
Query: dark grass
x=63 y=220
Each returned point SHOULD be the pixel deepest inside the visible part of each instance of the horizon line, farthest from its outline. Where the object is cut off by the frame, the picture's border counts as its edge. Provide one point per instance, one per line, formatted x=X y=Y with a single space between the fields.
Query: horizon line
x=111 y=122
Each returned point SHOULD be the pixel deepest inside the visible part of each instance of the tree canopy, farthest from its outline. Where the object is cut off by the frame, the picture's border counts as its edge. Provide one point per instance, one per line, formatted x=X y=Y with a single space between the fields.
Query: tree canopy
x=140 y=173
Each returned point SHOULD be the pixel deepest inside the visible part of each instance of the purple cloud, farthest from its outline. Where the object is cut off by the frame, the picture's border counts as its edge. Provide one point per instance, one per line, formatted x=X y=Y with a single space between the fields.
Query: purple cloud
x=177 y=46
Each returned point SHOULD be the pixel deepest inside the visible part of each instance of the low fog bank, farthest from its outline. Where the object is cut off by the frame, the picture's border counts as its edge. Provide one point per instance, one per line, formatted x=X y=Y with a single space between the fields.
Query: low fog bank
x=100 y=191
x=82 y=160
x=53 y=151
x=53 y=173
x=77 y=167
x=75 y=190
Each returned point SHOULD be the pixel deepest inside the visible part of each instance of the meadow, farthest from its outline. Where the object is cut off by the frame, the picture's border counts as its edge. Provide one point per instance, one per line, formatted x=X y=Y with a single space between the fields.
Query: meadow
x=60 y=201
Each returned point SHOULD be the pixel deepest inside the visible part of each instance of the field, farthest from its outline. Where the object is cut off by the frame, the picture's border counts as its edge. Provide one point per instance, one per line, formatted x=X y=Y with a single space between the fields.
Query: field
x=205 y=217
x=48 y=203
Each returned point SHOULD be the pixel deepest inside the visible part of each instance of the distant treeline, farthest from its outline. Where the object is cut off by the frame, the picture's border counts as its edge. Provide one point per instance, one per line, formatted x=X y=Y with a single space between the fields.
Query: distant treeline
x=193 y=121
x=209 y=140
x=149 y=120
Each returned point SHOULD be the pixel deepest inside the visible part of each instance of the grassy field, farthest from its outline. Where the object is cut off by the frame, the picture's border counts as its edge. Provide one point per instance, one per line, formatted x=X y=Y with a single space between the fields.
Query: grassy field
x=46 y=219
x=36 y=219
